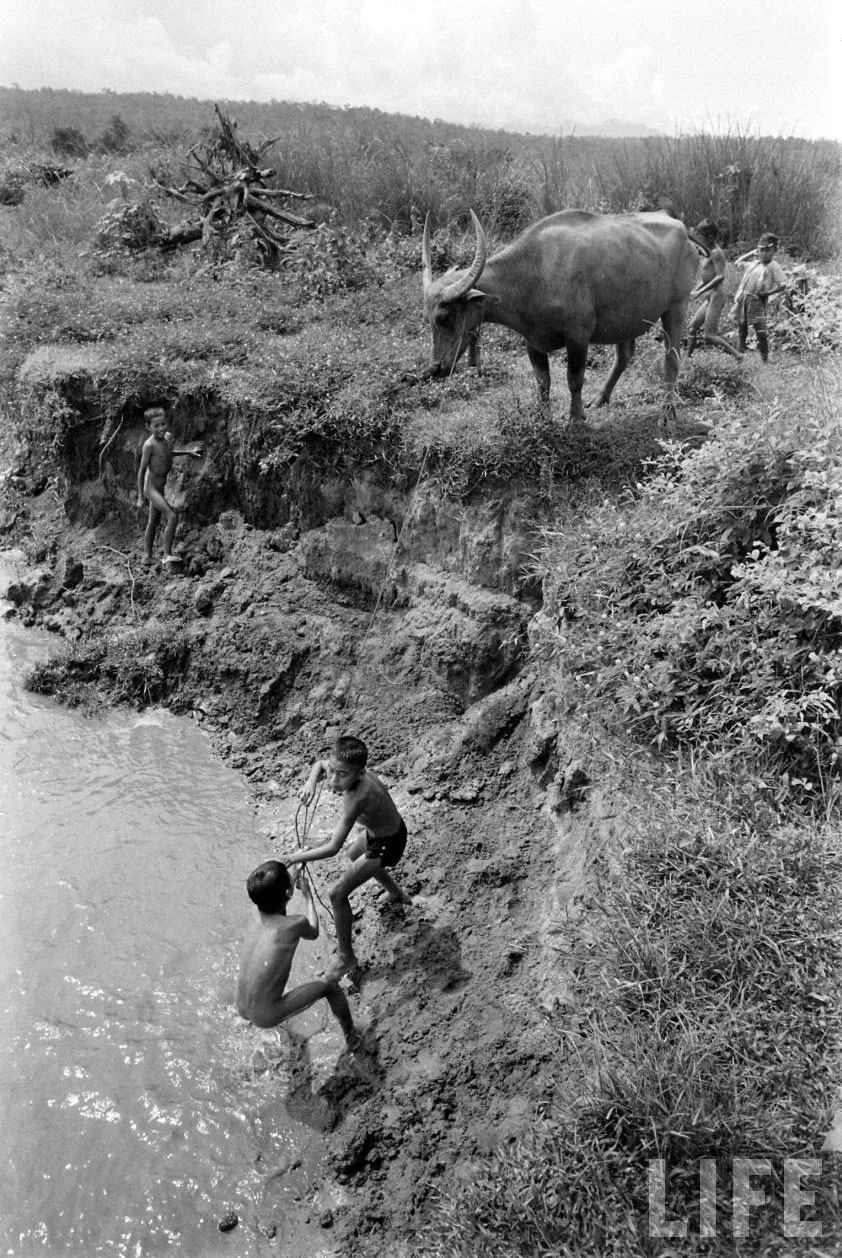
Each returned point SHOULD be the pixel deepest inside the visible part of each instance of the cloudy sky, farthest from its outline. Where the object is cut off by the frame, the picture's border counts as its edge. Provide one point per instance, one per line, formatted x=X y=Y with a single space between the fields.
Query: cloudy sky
x=763 y=65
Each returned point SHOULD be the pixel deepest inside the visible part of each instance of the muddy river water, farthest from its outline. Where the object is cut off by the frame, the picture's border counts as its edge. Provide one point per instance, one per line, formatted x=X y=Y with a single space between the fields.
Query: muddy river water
x=136 y=1108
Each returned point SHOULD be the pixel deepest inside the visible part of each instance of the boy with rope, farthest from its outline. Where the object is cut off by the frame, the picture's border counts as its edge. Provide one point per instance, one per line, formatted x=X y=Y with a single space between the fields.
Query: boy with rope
x=366 y=803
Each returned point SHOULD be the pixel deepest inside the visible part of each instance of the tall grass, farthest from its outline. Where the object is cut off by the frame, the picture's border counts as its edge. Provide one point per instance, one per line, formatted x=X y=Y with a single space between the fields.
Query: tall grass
x=706 y=1027
x=388 y=170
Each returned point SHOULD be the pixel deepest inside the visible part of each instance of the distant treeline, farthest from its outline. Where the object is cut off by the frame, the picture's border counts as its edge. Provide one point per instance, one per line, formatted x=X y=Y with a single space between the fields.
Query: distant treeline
x=388 y=170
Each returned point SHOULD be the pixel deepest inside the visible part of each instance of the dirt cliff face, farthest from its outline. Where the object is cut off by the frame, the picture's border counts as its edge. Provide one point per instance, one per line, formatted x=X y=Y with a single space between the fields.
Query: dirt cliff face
x=408 y=628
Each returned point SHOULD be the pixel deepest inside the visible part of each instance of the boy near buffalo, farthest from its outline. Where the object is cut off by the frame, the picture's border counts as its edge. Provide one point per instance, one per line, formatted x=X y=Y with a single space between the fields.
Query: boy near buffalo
x=711 y=286
x=155 y=463
x=763 y=279
x=367 y=803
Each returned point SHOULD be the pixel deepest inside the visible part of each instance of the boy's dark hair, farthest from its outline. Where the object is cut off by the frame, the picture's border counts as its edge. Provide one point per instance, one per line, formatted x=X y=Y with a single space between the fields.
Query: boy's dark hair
x=707 y=227
x=269 y=886
x=768 y=238
x=352 y=750
x=154 y=410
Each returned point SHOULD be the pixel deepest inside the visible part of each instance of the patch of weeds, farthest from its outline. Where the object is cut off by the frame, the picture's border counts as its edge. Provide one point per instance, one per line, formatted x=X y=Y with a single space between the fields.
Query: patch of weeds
x=331 y=259
x=714 y=944
x=135 y=667
x=706 y=605
x=713 y=374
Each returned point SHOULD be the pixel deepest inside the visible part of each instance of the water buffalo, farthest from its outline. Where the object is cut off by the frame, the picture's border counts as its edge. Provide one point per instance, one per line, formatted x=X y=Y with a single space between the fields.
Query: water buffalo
x=570 y=280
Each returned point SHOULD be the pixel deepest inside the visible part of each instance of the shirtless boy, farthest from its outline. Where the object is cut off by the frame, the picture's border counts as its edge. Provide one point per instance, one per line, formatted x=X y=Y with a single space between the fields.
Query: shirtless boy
x=711 y=282
x=268 y=951
x=369 y=804
x=155 y=463
x=765 y=278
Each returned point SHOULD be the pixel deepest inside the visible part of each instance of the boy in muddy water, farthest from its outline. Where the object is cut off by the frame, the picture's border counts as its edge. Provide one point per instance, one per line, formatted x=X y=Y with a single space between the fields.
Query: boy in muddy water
x=367 y=803
x=155 y=464
x=268 y=952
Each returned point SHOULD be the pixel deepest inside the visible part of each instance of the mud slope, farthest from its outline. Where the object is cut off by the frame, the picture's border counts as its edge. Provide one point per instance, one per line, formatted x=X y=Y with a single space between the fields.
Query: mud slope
x=276 y=640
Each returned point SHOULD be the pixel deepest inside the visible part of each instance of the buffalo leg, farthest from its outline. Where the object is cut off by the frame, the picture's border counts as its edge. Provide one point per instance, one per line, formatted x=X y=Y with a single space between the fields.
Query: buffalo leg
x=623 y=354
x=541 y=366
x=673 y=323
x=577 y=359
x=473 y=352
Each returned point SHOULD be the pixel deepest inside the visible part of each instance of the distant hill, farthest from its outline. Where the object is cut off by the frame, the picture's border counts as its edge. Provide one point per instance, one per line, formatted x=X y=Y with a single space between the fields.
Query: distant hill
x=610 y=127
x=32 y=114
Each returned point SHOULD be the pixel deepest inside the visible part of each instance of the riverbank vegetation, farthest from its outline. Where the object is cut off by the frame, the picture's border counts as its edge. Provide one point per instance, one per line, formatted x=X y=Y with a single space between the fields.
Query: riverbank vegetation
x=691 y=618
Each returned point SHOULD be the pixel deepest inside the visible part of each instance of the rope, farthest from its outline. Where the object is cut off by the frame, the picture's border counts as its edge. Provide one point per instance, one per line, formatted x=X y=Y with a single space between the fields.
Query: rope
x=110 y=439
x=301 y=836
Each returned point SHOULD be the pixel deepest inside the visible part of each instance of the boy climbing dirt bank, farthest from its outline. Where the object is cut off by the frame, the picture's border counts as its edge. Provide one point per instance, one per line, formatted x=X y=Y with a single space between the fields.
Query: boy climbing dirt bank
x=369 y=804
x=268 y=952
x=155 y=464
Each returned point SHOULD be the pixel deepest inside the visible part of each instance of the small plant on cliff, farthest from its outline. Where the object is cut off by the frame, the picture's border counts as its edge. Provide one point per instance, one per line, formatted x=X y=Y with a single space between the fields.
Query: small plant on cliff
x=127 y=667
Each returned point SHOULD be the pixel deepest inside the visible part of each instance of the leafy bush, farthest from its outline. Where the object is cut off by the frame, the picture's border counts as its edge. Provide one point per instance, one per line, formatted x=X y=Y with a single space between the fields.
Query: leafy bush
x=810 y=319
x=13 y=180
x=128 y=225
x=69 y=141
x=330 y=260
x=709 y=608
x=131 y=667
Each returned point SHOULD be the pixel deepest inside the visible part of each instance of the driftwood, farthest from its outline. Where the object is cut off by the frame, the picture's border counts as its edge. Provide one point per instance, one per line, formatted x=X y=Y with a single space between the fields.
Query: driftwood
x=231 y=199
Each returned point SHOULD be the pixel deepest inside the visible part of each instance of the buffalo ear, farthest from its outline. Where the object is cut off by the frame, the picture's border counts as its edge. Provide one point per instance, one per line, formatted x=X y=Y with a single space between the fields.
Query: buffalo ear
x=476 y=294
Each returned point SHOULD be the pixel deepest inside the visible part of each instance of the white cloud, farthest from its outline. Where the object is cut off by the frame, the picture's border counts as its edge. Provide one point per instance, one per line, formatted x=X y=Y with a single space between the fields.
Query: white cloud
x=499 y=63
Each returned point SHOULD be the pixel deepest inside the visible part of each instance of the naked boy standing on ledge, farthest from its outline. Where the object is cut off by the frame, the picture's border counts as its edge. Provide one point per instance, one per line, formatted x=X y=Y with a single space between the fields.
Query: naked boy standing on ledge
x=155 y=464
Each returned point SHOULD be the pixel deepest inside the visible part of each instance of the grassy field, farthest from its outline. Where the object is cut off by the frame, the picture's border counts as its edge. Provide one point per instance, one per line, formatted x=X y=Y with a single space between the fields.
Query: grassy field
x=691 y=618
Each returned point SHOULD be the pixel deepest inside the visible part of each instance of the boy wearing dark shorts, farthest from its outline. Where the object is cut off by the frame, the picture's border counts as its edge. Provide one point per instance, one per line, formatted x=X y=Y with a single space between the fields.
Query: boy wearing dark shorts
x=366 y=803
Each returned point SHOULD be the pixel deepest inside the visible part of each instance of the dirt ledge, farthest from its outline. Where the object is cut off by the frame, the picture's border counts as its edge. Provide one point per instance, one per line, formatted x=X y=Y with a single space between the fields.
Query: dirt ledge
x=466 y=991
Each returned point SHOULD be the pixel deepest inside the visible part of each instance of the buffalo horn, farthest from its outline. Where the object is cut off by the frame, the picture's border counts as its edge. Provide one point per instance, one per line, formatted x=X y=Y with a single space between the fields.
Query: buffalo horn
x=466 y=282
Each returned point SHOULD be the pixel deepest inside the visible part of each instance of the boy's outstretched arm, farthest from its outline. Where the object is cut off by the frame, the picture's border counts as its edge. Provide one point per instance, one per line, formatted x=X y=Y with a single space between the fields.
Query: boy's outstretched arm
x=308 y=790
x=343 y=828
x=311 y=929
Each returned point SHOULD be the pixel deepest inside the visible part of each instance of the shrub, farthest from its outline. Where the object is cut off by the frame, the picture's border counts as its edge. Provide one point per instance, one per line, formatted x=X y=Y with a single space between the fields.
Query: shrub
x=68 y=141
x=330 y=260
x=132 y=667
x=131 y=226
x=810 y=319
x=13 y=182
x=708 y=609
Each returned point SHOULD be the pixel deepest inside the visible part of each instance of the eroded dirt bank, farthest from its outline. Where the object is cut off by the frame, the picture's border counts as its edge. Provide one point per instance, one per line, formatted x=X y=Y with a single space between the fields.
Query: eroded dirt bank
x=277 y=640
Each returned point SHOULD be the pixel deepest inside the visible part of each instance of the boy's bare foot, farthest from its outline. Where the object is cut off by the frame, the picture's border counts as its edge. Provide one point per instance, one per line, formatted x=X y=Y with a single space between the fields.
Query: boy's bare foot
x=355 y=1040
x=390 y=901
x=148 y=561
x=171 y=559
x=342 y=965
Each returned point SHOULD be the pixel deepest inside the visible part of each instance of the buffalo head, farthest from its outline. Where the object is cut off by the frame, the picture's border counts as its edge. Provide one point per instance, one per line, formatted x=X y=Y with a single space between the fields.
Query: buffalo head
x=452 y=305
